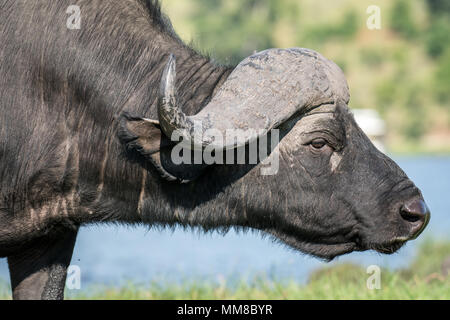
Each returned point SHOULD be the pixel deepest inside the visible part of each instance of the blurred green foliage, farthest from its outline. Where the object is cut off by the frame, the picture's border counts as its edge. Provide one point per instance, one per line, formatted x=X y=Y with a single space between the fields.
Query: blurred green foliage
x=438 y=36
x=343 y=30
x=442 y=79
x=402 y=70
x=222 y=25
x=232 y=30
x=438 y=7
x=385 y=92
x=416 y=126
x=401 y=19
x=372 y=57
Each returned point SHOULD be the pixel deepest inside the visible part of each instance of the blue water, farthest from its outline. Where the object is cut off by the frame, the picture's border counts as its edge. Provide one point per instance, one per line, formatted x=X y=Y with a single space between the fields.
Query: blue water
x=111 y=254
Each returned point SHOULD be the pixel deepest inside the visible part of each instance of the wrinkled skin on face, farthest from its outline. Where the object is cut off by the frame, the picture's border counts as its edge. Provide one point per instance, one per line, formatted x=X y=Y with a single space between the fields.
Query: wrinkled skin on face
x=341 y=193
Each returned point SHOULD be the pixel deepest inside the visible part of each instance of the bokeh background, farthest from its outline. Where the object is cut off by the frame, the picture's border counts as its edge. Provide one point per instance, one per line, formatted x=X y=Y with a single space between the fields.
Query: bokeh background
x=401 y=70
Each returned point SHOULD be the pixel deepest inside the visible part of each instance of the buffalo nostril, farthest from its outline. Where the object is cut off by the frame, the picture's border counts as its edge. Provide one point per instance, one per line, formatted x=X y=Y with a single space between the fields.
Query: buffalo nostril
x=416 y=212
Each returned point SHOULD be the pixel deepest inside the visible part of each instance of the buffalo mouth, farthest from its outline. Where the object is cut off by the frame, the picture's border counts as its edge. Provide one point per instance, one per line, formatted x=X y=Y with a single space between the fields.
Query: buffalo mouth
x=319 y=249
x=388 y=247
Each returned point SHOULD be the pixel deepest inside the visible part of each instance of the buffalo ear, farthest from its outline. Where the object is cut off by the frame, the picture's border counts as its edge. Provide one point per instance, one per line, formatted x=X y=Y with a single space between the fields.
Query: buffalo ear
x=145 y=137
x=141 y=134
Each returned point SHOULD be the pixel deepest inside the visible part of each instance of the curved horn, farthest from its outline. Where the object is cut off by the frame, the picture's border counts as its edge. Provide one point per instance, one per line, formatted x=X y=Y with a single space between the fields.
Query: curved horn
x=171 y=118
x=262 y=92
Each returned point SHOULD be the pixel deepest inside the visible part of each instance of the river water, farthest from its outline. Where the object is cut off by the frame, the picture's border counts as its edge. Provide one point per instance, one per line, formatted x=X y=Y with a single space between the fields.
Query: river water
x=113 y=254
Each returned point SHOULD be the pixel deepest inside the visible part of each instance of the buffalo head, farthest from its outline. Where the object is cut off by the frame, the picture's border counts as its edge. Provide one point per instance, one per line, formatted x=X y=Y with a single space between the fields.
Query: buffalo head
x=333 y=192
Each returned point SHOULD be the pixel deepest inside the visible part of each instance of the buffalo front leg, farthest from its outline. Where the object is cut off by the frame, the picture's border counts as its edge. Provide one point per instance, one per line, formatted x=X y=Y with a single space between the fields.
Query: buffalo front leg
x=39 y=271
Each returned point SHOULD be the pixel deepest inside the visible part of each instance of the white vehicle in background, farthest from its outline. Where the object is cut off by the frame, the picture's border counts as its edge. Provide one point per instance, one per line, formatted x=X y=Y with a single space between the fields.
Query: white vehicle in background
x=373 y=126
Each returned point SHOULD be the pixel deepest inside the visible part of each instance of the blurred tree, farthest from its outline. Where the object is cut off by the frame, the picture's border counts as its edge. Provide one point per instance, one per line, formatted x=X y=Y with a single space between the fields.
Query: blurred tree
x=237 y=28
x=438 y=32
x=344 y=30
x=233 y=29
x=438 y=37
x=442 y=79
x=415 y=124
x=385 y=94
x=372 y=57
x=401 y=19
x=438 y=7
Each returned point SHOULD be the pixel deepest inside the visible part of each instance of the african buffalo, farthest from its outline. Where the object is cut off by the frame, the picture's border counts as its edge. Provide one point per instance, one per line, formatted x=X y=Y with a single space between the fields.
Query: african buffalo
x=87 y=120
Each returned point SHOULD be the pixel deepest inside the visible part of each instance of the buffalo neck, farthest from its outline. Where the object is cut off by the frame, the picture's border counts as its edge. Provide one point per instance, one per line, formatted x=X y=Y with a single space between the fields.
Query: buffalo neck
x=114 y=187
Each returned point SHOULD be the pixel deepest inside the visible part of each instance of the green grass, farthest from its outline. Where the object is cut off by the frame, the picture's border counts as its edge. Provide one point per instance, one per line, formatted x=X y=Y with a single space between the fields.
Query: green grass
x=423 y=279
x=331 y=286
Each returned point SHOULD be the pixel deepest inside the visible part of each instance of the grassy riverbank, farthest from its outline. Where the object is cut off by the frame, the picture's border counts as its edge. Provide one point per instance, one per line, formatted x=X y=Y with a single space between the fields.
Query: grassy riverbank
x=423 y=279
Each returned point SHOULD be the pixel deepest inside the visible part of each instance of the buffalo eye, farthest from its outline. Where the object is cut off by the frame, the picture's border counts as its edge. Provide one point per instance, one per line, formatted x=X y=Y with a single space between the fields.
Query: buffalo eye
x=318 y=143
